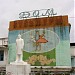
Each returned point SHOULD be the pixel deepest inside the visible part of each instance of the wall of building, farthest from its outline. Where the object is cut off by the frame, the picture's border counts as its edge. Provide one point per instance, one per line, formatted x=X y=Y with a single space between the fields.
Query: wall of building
x=72 y=50
x=73 y=56
x=5 y=59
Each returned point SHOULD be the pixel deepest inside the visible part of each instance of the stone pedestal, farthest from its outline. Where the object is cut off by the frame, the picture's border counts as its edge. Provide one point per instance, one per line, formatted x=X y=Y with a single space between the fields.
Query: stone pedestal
x=19 y=68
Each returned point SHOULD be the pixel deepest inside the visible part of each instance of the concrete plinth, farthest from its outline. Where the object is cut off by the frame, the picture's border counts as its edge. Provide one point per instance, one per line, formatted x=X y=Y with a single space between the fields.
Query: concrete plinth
x=18 y=69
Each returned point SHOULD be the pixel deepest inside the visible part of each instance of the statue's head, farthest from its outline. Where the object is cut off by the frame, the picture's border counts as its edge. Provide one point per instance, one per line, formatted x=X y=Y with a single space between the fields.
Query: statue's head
x=19 y=36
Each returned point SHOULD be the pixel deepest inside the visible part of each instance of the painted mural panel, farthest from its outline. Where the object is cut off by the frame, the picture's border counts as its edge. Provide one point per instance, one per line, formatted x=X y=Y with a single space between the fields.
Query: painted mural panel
x=41 y=43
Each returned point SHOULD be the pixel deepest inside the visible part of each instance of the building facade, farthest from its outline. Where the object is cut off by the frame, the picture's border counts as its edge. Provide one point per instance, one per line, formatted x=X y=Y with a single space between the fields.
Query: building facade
x=3 y=51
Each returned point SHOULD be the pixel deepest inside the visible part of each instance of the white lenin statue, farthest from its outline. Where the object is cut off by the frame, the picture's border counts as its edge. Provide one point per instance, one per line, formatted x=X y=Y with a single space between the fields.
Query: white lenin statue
x=19 y=48
x=19 y=67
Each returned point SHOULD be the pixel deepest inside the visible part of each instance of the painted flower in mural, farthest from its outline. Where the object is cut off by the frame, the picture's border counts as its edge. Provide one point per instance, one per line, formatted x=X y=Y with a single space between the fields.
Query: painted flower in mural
x=32 y=59
x=43 y=60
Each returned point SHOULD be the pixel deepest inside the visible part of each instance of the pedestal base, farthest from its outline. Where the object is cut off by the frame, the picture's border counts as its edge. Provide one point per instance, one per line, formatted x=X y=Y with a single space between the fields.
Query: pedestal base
x=20 y=68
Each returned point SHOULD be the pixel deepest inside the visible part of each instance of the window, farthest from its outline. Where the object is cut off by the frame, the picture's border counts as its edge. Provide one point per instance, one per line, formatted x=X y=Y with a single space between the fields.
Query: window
x=1 y=55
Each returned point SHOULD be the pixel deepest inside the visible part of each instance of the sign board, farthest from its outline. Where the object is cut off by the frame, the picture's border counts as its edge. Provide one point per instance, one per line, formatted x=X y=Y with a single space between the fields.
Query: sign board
x=39 y=23
x=37 y=13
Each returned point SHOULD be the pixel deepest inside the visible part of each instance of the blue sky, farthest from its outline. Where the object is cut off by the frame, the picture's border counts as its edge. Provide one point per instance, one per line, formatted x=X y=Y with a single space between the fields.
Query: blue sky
x=10 y=9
